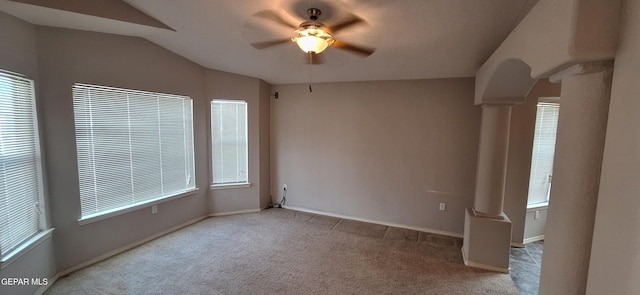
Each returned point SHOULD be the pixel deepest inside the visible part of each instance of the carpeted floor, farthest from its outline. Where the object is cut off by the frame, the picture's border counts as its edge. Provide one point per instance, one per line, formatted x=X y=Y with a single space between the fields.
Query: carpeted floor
x=280 y=251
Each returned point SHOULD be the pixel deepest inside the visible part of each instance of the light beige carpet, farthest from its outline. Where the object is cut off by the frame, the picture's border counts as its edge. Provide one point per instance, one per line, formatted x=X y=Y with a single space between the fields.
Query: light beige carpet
x=279 y=251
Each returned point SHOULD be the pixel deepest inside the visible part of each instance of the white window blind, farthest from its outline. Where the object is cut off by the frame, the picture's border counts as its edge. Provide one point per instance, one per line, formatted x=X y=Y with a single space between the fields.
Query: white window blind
x=20 y=171
x=133 y=147
x=229 y=142
x=544 y=143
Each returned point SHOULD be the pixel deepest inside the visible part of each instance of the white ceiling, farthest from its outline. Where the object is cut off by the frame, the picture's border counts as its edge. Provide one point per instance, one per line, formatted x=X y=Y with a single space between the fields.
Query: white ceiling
x=415 y=39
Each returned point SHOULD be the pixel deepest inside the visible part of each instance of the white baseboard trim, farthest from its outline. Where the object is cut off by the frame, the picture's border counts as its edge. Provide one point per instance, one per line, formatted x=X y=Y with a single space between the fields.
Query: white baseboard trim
x=115 y=252
x=480 y=265
x=44 y=288
x=125 y=248
x=533 y=239
x=422 y=229
x=517 y=245
x=218 y=214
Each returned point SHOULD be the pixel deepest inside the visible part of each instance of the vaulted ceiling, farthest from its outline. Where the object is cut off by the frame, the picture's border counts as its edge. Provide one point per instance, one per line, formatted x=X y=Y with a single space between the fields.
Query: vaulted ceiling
x=414 y=39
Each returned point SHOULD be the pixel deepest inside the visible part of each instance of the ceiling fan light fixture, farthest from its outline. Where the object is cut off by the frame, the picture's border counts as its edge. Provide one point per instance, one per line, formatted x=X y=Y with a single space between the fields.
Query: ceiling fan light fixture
x=312 y=44
x=313 y=40
x=312 y=36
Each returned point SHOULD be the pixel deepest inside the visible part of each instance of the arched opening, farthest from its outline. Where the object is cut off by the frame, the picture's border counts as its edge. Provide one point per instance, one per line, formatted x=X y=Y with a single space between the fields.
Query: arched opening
x=509 y=83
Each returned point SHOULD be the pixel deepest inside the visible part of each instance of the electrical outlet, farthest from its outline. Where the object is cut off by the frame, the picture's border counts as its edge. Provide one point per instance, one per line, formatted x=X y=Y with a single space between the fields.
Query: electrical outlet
x=443 y=206
x=536 y=214
x=154 y=209
x=284 y=186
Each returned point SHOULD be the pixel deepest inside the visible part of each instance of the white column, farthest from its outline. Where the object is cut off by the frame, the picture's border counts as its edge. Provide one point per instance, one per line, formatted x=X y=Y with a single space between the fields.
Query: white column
x=584 y=105
x=487 y=230
x=614 y=267
x=493 y=149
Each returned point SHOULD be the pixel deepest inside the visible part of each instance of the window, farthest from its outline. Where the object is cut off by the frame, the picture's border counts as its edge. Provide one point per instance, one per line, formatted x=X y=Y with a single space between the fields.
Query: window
x=229 y=142
x=134 y=148
x=544 y=142
x=21 y=191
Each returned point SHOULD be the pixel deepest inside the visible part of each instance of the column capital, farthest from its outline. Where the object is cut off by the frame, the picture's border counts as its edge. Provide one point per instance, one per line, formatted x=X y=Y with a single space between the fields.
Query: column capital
x=581 y=69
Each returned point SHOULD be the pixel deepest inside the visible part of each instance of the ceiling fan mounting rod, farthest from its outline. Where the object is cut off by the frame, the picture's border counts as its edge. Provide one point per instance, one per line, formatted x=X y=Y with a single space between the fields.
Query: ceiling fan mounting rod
x=314 y=13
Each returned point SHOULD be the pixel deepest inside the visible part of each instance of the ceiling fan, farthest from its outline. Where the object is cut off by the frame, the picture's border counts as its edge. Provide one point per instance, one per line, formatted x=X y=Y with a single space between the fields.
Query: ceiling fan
x=312 y=36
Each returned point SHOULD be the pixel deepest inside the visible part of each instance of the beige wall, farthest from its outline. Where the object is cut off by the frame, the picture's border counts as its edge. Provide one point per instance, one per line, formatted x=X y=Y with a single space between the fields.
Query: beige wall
x=18 y=54
x=387 y=151
x=222 y=85
x=615 y=264
x=67 y=57
x=38 y=262
x=523 y=122
x=383 y=151
x=58 y=58
x=265 y=139
x=534 y=226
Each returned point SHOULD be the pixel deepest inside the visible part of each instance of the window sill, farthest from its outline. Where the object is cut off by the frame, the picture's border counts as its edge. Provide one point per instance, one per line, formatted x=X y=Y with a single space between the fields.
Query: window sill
x=537 y=206
x=126 y=209
x=25 y=247
x=230 y=186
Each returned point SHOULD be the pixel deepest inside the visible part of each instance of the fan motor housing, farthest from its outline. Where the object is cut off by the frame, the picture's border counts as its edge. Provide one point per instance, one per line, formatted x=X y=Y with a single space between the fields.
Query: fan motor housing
x=314 y=13
x=312 y=24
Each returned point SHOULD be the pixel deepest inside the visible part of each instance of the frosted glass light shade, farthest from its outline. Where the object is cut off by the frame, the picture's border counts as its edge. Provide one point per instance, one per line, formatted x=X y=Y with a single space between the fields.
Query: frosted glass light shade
x=312 y=43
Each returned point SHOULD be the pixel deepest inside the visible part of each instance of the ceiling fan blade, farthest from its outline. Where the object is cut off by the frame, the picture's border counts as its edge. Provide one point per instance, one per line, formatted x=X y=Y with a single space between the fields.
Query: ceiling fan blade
x=276 y=18
x=365 y=51
x=267 y=44
x=314 y=59
x=350 y=21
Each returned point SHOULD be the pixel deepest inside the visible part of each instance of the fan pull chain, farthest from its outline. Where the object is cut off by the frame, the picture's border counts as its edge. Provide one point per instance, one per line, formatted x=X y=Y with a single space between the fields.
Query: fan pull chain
x=310 y=70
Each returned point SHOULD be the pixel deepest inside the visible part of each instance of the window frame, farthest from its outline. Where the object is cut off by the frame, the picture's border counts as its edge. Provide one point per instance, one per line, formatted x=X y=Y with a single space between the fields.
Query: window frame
x=543 y=204
x=44 y=231
x=106 y=214
x=223 y=186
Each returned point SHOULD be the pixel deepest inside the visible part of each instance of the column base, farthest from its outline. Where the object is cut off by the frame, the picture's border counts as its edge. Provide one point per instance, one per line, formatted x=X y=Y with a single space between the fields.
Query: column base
x=487 y=242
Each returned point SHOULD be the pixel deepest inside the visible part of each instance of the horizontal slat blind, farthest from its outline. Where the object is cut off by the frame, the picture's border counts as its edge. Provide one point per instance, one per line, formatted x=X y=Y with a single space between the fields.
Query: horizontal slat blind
x=544 y=143
x=133 y=146
x=20 y=179
x=229 y=141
